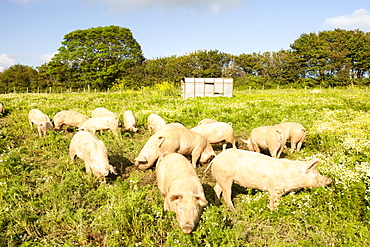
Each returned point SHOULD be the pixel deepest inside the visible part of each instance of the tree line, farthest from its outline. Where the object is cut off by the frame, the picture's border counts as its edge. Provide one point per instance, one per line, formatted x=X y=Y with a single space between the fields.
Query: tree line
x=110 y=58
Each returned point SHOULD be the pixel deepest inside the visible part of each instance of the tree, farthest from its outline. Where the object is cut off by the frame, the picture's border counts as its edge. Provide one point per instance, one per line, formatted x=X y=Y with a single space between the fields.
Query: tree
x=18 y=77
x=250 y=64
x=308 y=49
x=44 y=79
x=359 y=45
x=280 y=68
x=334 y=58
x=171 y=69
x=211 y=63
x=95 y=56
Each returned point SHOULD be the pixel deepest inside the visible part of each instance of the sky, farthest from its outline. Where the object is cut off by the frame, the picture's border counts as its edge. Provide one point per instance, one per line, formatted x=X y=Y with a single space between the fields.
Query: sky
x=31 y=31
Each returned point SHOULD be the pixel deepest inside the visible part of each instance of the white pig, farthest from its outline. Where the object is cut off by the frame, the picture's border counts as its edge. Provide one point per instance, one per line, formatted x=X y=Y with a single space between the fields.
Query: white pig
x=68 y=118
x=269 y=138
x=93 y=152
x=129 y=121
x=206 y=121
x=149 y=153
x=295 y=133
x=155 y=122
x=100 y=123
x=258 y=171
x=187 y=143
x=217 y=132
x=103 y=112
x=173 y=126
x=41 y=120
x=181 y=190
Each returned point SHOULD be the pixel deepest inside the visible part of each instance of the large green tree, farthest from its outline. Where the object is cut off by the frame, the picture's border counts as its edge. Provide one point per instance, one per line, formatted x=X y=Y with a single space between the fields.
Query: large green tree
x=333 y=58
x=19 y=78
x=95 y=57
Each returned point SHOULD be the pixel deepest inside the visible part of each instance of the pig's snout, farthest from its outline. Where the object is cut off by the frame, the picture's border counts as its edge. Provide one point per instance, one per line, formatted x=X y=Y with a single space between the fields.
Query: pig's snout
x=328 y=181
x=187 y=230
x=325 y=181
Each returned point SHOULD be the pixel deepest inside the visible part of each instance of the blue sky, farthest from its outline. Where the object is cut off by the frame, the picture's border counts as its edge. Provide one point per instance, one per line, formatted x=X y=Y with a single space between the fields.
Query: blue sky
x=31 y=31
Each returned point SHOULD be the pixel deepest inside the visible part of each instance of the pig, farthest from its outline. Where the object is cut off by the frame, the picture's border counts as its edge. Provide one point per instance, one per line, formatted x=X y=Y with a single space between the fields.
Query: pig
x=129 y=121
x=68 y=118
x=217 y=132
x=206 y=121
x=155 y=122
x=42 y=121
x=173 y=126
x=187 y=143
x=93 y=152
x=295 y=133
x=269 y=138
x=316 y=91
x=258 y=171
x=100 y=123
x=175 y=138
x=2 y=109
x=149 y=153
x=181 y=190
x=103 y=112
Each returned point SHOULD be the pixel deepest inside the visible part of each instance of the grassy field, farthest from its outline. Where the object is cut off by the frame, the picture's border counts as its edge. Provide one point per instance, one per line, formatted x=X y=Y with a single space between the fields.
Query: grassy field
x=45 y=200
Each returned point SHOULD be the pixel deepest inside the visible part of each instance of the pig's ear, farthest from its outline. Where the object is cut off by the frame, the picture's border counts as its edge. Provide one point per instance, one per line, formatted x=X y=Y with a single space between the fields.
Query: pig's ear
x=279 y=135
x=201 y=199
x=312 y=164
x=160 y=141
x=175 y=197
x=162 y=156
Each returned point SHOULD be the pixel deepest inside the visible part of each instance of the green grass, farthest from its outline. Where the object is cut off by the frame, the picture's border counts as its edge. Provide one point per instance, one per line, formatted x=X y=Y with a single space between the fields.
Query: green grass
x=47 y=201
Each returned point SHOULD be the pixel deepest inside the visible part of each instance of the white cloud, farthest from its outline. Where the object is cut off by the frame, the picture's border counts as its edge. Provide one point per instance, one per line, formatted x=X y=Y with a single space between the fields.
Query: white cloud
x=359 y=19
x=45 y=58
x=215 y=6
x=6 y=61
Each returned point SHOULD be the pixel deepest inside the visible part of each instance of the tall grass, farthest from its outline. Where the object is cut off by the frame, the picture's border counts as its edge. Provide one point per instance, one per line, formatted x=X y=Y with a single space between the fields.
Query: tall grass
x=45 y=200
